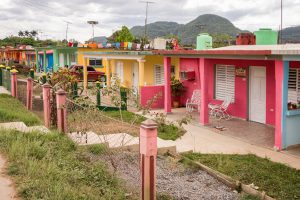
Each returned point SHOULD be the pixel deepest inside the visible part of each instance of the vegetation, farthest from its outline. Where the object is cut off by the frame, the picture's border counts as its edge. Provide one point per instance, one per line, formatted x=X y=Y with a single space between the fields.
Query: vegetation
x=278 y=180
x=222 y=40
x=122 y=35
x=13 y=110
x=51 y=166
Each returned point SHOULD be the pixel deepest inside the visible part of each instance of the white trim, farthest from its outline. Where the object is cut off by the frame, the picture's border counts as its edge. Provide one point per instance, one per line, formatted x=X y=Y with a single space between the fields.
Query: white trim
x=117 y=57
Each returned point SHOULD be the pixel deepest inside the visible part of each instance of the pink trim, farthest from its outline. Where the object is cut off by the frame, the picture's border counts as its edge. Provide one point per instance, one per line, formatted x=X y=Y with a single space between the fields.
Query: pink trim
x=167 y=74
x=279 y=69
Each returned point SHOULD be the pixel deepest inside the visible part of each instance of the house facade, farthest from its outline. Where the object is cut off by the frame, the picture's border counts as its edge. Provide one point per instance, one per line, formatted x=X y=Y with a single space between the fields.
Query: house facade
x=52 y=58
x=262 y=81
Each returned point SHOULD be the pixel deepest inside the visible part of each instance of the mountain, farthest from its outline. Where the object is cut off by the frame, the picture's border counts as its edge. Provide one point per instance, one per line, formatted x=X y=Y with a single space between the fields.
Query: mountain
x=208 y=23
x=291 y=35
x=100 y=39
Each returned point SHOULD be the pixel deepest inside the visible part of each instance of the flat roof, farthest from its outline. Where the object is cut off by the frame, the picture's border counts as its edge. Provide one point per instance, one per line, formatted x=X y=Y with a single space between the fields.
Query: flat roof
x=285 y=49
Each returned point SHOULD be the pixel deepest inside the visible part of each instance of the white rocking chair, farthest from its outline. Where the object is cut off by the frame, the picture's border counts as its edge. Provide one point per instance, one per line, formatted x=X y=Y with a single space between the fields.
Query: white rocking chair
x=220 y=111
x=194 y=102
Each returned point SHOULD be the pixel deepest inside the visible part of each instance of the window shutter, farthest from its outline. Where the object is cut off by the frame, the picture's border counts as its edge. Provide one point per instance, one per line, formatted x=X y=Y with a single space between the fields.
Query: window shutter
x=159 y=75
x=293 y=85
x=225 y=82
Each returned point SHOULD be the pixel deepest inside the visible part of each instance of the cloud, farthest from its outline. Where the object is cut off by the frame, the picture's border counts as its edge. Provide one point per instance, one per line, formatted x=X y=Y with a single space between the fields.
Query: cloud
x=49 y=16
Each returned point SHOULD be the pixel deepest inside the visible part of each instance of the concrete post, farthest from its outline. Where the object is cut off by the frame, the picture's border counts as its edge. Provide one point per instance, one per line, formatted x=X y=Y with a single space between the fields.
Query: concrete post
x=29 y=93
x=85 y=74
x=61 y=100
x=141 y=73
x=148 y=153
x=204 y=77
x=46 y=103
x=14 y=82
x=98 y=85
x=167 y=76
x=1 y=72
x=108 y=72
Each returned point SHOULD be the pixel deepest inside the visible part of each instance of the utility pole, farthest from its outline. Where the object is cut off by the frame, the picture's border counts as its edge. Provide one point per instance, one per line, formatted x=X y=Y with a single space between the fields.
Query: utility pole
x=67 y=29
x=146 y=17
x=281 y=22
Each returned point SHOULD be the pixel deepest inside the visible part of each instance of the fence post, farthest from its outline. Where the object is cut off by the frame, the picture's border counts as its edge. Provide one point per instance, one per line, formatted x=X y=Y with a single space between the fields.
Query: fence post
x=1 y=74
x=61 y=100
x=7 y=78
x=123 y=94
x=31 y=73
x=29 y=93
x=98 y=85
x=148 y=153
x=14 y=82
x=46 y=104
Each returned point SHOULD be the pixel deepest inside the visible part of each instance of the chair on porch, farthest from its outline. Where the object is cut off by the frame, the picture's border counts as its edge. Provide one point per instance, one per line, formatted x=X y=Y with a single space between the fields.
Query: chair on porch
x=220 y=111
x=194 y=102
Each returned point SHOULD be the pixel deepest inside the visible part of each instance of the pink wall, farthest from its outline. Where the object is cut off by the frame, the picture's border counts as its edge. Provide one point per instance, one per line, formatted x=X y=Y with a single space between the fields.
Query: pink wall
x=189 y=64
x=148 y=92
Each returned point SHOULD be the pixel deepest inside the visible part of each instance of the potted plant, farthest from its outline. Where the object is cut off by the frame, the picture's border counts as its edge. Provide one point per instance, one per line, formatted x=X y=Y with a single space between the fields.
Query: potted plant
x=177 y=89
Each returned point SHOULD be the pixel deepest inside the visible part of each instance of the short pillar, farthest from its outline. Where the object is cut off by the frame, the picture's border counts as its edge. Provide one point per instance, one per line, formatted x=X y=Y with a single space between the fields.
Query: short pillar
x=29 y=93
x=167 y=76
x=61 y=100
x=148 y=153
x=46 y=104
x=14 y=82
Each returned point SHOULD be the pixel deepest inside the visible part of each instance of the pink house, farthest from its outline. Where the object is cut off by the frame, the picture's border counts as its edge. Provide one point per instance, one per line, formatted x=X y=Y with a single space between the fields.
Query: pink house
x=261 y=80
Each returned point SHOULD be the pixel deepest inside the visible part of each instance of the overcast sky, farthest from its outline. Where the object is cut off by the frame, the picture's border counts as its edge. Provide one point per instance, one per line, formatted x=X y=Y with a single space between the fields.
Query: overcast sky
x=49 y=16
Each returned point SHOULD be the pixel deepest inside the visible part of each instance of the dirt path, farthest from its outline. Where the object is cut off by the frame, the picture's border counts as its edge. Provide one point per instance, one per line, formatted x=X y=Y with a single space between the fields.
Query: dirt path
x=7 y=191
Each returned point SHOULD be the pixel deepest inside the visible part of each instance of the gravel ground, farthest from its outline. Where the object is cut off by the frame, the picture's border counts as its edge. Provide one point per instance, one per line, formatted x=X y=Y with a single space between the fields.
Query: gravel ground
x=173 y=179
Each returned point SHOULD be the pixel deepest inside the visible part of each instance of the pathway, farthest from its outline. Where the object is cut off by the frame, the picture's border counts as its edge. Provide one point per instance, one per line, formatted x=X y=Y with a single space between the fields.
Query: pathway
x=7 y=191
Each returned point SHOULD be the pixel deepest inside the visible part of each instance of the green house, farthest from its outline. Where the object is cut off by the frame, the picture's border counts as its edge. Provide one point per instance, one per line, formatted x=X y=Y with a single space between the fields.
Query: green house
x=49 y=59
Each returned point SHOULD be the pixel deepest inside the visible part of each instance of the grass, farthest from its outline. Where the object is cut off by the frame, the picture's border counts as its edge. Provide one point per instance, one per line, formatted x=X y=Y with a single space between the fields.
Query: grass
x=165 y=131
x=51 y=166
x=13 y=110
x=278 y=180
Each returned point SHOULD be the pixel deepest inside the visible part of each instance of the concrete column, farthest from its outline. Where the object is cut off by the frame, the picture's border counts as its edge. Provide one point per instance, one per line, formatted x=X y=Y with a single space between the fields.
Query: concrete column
x=204 y=78
x=113 y=67
x=46 y=104
x=85 y=79
x=281 y=78
x=61 y=100
x=14 y=82
x=148 y=153
x=167 y=76
x=29 y=93
x=44 y=60
x=108 y=72
x=141 y=73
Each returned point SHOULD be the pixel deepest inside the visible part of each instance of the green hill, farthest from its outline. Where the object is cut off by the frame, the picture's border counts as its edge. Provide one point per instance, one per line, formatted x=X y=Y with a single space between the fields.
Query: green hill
x=291 y=34
x=212 y=24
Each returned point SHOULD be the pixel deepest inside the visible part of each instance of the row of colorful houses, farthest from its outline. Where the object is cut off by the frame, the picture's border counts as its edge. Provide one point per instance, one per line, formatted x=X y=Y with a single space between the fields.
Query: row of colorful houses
x=261 y=79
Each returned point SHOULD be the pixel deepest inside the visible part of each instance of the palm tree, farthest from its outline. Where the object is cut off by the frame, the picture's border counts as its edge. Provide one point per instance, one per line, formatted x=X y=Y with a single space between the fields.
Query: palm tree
x=21 y=34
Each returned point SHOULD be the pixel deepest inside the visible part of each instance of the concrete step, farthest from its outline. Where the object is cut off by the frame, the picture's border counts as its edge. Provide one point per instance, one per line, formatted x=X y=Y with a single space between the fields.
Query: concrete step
x=21 y=126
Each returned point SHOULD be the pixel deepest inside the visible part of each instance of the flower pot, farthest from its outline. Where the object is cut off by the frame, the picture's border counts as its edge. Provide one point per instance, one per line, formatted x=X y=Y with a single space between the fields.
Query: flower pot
x=175 y=104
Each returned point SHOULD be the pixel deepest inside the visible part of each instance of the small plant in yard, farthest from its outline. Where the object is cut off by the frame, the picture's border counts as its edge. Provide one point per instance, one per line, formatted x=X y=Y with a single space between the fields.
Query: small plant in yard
x=177 y=89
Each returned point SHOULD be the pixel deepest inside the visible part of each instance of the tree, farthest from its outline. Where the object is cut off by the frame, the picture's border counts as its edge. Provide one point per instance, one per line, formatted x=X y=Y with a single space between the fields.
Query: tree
x=123 y=35
x=21 y=34
x=221 y=40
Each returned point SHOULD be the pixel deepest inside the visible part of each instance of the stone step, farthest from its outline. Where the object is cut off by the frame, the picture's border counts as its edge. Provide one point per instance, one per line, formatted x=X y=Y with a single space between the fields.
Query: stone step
x=21 y=126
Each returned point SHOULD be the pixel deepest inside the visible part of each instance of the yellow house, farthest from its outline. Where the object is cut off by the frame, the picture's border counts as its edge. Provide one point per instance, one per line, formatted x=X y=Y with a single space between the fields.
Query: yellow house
x=134 y=68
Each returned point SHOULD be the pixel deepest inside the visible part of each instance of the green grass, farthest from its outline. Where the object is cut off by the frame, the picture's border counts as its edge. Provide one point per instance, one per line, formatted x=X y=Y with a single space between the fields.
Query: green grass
x=13 y=110
x=50 y=166
x=166 y=132
x=278 y=180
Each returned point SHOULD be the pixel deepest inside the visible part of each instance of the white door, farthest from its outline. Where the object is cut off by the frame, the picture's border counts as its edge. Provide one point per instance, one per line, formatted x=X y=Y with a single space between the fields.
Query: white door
x=61 y=60
x=120 y=71
x=135 y=77
x=257 y=110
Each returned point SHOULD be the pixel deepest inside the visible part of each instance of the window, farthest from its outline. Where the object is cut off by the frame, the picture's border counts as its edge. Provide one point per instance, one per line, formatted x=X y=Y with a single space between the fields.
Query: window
x=159 y=75
x=294 y=86
x=95 y=62
x=225 y=82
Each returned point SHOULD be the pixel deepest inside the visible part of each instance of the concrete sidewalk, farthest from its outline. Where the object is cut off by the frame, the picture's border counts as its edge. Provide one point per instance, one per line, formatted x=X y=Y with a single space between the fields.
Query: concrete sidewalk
x=7 y=191
x=201 y=139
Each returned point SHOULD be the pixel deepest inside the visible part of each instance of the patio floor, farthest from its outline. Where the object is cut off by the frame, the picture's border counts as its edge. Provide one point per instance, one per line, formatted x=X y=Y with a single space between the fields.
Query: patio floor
x=250 y=132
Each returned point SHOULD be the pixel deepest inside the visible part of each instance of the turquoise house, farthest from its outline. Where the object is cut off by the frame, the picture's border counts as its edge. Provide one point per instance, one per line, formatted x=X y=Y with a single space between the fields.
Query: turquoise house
x=49 y=59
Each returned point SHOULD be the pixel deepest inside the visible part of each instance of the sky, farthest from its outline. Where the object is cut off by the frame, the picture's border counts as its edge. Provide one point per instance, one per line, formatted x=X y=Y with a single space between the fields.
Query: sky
x=50 y=17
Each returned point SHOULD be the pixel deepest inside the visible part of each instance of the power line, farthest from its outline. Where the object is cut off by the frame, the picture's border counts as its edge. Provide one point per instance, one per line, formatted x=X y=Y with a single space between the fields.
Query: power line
x=67 y=29
x=146 y=18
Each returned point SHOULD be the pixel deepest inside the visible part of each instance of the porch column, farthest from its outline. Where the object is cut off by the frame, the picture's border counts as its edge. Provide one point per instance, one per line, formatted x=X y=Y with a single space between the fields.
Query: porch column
x=204 y=78
x=167 y=76
x=281 y=78
x=113 y=67
x=108 y=72
x=85 y=79
x=141 y=73
x=37 y=65
x=44 y=60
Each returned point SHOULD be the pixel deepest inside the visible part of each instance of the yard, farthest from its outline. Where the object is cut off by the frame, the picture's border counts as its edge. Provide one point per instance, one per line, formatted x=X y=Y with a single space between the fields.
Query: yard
x=278 y=180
